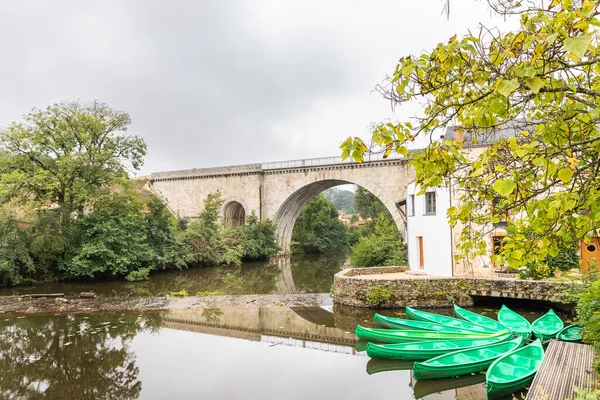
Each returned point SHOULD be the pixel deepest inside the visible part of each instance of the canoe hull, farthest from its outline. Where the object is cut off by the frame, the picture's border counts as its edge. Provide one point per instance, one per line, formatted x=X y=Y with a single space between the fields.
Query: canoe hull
x=497 y=391
x=514 y=370
x=478 y=319
x=515 y=322
x=445 y=320
x=399 y=323
x=571 y=333
x=391 y=336
x=547 y=326
x=413 y=353
x=455 y=364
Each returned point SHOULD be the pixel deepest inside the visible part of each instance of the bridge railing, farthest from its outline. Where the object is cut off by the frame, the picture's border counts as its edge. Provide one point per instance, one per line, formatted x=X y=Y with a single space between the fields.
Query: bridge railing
x=315 y=162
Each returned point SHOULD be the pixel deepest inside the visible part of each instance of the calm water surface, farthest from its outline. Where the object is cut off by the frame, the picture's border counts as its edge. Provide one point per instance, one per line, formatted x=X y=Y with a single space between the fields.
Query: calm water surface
x=298 y=274
x=228 y=353
x=218 y=353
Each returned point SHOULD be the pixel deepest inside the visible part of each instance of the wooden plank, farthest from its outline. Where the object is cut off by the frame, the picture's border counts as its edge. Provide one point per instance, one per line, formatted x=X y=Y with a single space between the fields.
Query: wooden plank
x=565 y=365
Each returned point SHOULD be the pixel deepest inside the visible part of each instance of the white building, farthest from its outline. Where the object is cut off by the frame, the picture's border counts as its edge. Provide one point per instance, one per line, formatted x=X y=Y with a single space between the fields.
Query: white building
x=428 y=233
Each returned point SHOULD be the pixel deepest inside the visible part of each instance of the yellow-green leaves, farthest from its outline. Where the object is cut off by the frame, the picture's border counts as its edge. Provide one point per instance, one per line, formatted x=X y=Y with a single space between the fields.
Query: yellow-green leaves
x=565 y=174
x=504 y=187
x=506 y=87
x=578 y=45
x=535 y=84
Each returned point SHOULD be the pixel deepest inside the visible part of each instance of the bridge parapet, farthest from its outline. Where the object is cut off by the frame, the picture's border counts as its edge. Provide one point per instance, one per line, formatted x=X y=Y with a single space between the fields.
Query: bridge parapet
x=243 y=169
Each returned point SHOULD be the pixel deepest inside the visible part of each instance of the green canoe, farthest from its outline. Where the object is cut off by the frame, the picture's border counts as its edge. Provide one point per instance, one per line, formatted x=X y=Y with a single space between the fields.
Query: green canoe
x=479 y=319
x=424 y=388
x=444 y=320
x=515 y=322
x=403 y=335
x=426 y=350
x=399 y=323
x=464 y=362
x=514 y=371
x=547 y=326
x=376 y=365
x=571 y=333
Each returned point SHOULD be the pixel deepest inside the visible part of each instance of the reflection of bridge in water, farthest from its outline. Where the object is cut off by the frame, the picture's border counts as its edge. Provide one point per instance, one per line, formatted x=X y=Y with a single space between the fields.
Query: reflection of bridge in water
x=310 y=328
x=285 y=283
x=300 y=327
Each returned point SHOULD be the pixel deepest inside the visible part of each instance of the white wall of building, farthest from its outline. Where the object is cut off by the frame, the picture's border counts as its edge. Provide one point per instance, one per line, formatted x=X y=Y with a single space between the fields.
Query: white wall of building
x=434 y=229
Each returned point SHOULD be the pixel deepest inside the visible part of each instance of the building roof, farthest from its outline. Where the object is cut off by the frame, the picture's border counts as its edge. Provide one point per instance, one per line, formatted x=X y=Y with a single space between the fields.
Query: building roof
x=489 y=136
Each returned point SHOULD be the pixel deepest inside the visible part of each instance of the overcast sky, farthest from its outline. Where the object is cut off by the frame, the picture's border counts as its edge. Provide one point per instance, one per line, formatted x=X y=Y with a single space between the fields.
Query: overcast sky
x=222 y=82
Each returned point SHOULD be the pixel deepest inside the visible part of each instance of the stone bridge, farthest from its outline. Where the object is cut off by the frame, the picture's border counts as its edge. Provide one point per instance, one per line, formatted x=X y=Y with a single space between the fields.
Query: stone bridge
x=279 y=190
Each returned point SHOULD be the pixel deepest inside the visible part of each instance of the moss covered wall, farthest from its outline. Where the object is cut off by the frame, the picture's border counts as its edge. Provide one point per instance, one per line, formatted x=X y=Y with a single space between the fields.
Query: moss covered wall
x=369 y=290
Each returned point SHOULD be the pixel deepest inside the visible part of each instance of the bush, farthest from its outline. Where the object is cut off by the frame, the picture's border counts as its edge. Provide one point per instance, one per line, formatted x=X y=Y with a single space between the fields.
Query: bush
x=204 y=242
x=566 y=259
x=379 y=295
x=588 y=315
x=257 y=239
x=16 y=263
x=113 y=239
x=381 y=248
x=207 y=293
x=142 y=274
x=535 y=271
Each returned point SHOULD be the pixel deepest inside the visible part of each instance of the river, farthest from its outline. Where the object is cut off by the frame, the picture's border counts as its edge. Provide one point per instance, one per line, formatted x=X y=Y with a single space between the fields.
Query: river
x=214 y=353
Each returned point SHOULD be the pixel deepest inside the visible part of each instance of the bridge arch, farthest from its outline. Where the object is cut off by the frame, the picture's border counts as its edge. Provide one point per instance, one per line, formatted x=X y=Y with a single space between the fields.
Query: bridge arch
x=289 y=211
x=234 y=213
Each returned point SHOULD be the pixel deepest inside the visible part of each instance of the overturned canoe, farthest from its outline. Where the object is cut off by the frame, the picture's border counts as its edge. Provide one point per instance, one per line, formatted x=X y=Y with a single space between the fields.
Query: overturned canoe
x=547 y=326
x=428 y=349
x=405 y=335
x=399 y=323
x=515 y=322
x=514 y=371
x=444 y=320
x=479 y=319
x=571 y=333
x=464 y=362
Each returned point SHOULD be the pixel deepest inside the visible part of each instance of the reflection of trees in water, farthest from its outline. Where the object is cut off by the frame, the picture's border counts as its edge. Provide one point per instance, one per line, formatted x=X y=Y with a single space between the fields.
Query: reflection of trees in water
x=212 y=315
x=314 y=273
x=243 y=280
x=71 y=357
x=251 y=278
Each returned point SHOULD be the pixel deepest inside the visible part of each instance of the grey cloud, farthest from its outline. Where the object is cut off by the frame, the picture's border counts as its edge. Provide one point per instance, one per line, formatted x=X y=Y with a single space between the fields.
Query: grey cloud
x=218 y=82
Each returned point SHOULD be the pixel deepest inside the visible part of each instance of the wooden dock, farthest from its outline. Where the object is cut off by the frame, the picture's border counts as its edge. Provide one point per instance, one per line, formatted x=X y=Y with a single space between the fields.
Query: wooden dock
x=565 y=366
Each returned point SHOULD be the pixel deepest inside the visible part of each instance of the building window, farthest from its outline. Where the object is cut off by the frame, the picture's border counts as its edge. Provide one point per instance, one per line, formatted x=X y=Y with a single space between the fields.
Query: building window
x=498 y=244
x=411 y=205
x=430 y=203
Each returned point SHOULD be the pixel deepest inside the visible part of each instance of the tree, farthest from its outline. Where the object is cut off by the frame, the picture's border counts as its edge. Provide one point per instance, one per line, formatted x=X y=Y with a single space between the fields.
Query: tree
x=380 y=248
x=318 y=229
x=367 y=204
x=342 y=199
x=531 y=96
x=59 y=158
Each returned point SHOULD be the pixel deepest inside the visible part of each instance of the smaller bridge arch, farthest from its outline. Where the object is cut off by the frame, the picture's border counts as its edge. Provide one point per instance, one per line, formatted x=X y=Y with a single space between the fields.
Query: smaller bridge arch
x=234 y=213
x=289 y=211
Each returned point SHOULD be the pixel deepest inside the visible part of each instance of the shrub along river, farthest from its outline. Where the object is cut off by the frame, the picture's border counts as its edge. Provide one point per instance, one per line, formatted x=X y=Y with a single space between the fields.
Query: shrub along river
x=213 y=353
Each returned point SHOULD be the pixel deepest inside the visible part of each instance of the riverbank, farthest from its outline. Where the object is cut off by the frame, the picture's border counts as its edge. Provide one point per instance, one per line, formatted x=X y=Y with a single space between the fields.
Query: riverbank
x=15 y=305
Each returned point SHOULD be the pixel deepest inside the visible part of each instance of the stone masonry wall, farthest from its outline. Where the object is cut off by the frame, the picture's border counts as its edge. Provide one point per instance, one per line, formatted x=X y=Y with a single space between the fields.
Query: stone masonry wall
x=423 y=292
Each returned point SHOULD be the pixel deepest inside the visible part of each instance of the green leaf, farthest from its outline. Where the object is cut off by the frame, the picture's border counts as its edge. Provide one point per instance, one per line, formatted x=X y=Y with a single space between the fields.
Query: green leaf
x=504 y=187
x=565 y=174
x=578 y=45
x=345 y=154
x=535 y=84
x=505 y=88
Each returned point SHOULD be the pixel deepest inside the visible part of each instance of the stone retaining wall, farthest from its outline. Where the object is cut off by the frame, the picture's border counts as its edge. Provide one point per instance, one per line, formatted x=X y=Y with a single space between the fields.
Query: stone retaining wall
x=381 y=292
